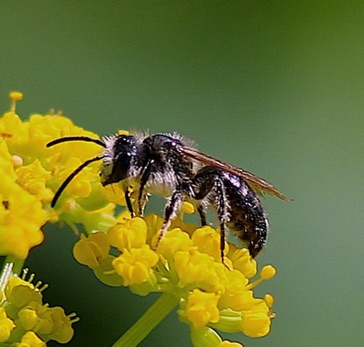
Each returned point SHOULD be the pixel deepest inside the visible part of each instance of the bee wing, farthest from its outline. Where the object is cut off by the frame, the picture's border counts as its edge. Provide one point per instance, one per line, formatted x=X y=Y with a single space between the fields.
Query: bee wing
x=258 y=184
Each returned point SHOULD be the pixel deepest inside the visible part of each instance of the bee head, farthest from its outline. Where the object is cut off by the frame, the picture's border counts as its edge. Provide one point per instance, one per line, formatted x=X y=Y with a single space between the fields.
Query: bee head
x=119 y=153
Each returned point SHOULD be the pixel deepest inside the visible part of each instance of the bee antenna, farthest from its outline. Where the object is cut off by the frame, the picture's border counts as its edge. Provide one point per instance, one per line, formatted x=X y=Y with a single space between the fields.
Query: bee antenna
x=72 y=176
x=76 y=138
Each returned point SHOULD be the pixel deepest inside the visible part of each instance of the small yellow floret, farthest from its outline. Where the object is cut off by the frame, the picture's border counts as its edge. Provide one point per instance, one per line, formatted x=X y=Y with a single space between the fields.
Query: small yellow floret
x=197 y=268
x=135 y=266
x=30 y=339
x=91 y=250
x=242 y=261
x=235 y=295
x=131 y=234
x=202 y=308
x=207 y=241
x=256 y=320
x=6 y=325
x=175 y=240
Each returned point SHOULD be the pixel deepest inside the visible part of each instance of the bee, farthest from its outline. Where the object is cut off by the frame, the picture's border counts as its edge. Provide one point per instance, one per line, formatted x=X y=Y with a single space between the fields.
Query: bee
x=170 y=166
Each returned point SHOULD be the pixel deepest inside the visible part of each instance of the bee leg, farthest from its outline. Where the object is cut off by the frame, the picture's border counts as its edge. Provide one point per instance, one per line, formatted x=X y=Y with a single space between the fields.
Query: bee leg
x=202 y=213
x=171 y=209
x=143 y=181
x=128 y=203
x=209 y=185
x=222 y=213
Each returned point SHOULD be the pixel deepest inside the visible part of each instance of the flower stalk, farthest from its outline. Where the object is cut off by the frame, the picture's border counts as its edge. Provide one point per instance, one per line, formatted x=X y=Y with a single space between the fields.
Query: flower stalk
x=146 y=323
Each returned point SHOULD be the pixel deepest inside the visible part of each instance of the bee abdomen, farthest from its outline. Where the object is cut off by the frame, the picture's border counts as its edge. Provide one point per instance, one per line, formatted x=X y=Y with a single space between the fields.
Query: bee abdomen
x=247 y=220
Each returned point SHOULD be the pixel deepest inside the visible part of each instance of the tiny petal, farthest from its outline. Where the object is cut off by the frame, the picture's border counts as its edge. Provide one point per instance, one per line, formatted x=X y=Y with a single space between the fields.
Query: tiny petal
x=197 y=268
x=131 y=234
x=201 y=308
x=256 y=321
x=175 y=240
x=91 y=250
x=30 y=339
x=6 y=325
x=235 y=295
x=207 y=241
x=135 y=266
x=242 y=261
x=20 y=292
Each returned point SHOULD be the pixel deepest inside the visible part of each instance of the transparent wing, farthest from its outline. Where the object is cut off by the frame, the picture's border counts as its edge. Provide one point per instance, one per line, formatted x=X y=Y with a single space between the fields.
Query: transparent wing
x=258 y=184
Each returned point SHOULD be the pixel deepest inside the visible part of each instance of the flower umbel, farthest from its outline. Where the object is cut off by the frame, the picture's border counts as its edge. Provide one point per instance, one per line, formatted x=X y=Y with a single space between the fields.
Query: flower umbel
x=23 y=316
x=209 y=296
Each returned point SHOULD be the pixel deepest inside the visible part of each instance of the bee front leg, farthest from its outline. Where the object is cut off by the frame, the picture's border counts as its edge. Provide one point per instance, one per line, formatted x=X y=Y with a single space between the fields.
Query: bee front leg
x=142 y=199
x=128 y=202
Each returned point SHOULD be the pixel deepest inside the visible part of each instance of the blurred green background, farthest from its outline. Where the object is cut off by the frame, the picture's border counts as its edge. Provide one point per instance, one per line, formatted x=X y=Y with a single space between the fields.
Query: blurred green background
x=274 y=87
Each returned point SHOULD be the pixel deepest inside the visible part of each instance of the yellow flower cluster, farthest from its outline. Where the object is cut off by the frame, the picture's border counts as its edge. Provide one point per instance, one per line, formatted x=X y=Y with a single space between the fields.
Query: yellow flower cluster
x=186 y=265
x=31 y=173
x=25 y=321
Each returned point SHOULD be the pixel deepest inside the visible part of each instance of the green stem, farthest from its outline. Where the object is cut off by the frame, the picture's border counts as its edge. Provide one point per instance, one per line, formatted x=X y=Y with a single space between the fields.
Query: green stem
x=146 y=323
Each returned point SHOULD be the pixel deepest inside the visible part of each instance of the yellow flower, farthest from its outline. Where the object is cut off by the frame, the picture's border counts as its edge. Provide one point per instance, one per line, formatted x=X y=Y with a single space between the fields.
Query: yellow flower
x=242 y=261
x=33 y=178
x=187 y=265
x=198 y=269
x=131 y=234
x=91 y=250
x=24 y=302
x=31 y=173
x=135 y=266
x=201 y=308
x=174 y=241
x=19 y=293
x=256 y=320
x=236 y=293
x=21 y=217
x=6 y=325
x=208 y=241
x=30 y=339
